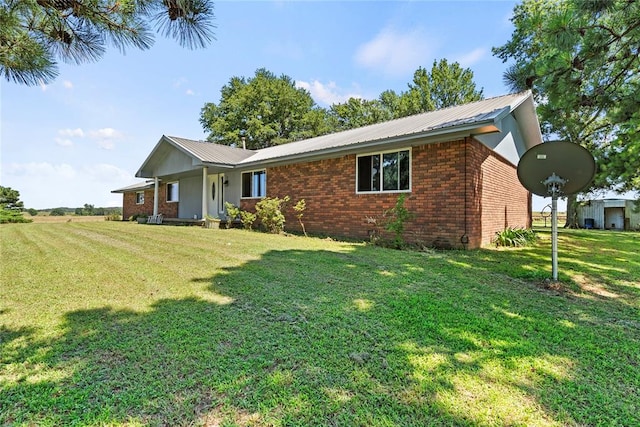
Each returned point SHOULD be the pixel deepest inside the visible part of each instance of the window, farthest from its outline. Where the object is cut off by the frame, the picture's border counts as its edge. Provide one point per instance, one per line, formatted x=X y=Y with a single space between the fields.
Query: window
x=172 y=192
x=140 y=198
x=254 y=184
x=384 y=172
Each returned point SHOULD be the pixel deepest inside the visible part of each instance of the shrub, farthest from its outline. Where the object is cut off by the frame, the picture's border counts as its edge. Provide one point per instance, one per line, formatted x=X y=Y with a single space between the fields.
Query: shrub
x=233 y=212
x=12 y=216
x=299 y=209
x=247 y=218
x=269 y=212
x=515 y=237
x=57 y=212
x=395 y=220
x=113 y=216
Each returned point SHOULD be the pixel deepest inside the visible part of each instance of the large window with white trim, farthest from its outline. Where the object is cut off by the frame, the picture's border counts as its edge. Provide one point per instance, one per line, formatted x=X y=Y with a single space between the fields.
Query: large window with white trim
x=173 y=192
x=384 y=172
x=254 y=184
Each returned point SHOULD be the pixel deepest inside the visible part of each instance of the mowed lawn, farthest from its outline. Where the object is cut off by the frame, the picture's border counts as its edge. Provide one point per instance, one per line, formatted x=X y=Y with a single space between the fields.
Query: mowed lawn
x=110 y=323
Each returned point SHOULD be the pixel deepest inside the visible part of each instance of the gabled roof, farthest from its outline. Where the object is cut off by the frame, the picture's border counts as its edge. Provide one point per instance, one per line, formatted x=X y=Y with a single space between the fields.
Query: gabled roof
x=481 y=117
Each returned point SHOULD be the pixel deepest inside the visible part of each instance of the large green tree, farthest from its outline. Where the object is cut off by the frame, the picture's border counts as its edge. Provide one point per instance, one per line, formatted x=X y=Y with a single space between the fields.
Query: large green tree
x=582 y=61
x=445 y=85
x=263 y=111
x=35 y=34
x=11 y=206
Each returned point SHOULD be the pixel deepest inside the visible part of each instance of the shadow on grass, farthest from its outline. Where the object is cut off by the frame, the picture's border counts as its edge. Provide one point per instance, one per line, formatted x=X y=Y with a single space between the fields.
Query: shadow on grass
x=329 y=338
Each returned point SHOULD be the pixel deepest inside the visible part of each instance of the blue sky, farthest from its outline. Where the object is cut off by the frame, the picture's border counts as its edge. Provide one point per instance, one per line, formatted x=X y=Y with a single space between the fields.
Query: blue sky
x=73 y=141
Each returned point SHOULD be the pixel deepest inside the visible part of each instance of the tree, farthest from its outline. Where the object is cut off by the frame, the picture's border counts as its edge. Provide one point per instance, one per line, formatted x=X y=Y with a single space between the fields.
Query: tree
x=262 y=111
x=581 y=59
x=57 y=212
x=357 y=112
x=445 y=85
x=34 y=34
x=10 y=206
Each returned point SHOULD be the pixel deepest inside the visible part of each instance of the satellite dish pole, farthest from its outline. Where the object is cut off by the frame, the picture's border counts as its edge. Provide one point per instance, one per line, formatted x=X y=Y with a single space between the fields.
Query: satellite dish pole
x=556 y=169
x=554 y=184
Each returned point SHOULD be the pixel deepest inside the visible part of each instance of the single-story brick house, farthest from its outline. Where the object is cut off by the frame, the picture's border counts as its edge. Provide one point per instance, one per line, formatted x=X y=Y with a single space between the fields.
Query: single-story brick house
x=456 y=165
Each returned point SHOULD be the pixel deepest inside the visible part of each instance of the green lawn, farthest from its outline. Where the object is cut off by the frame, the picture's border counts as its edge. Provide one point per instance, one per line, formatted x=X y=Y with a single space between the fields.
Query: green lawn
x=124 y=324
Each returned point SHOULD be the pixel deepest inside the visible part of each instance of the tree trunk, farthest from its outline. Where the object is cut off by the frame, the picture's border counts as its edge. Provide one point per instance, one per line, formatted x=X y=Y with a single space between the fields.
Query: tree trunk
x=572 y=212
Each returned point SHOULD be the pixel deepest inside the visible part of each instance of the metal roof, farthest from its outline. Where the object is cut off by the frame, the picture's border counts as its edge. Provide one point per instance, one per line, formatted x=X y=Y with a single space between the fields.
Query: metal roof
x=474 y=118
x=208 y=152
x=134 y=187
x=451 y=118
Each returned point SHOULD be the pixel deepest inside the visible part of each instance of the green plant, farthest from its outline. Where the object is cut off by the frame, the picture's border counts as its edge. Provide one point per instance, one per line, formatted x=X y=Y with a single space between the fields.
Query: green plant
x=247 y=218
x=112 y=216
x=396 y=219
x=515 y=237
x=299 y=208
x=269 y=212
x=233 y=213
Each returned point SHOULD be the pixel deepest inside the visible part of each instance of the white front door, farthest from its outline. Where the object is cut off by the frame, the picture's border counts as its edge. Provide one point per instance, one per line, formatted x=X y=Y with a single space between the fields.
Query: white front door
x=215 y=195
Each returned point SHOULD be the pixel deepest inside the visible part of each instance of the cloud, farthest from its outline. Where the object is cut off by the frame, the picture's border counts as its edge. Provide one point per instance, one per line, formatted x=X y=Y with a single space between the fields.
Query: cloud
x=67 y=84
x=327 y=94
x=190 y=92
x=71 y=133
x=470 y=58
x=109 y=133
x=63 y=142
x=47 y=185
x=396 y=53
x=106 y=137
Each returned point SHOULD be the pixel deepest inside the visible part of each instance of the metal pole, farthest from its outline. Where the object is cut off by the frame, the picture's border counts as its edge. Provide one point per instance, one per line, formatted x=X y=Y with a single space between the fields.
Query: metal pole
x=554 y=237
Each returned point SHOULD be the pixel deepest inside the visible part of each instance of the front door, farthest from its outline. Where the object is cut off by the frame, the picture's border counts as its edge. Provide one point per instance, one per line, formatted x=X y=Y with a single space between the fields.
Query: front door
x=215 y=195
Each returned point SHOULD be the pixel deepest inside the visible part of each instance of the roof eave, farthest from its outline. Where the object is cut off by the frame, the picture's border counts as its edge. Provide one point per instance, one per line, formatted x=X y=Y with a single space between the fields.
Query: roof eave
x=426 y=137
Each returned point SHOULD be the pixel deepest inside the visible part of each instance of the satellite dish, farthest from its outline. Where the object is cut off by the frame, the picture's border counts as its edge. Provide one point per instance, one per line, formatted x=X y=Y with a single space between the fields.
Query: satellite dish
x=565 y=164
x=555 y=169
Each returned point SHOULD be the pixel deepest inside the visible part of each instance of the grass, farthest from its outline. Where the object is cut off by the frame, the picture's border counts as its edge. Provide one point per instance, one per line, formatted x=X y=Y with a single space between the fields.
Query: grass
x=110 y=323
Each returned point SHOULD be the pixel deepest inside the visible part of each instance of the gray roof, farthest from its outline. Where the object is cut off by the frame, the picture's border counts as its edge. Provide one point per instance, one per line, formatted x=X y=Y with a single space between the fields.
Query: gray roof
x=481 y=117
x=420 y=125
x=208 y=152
x=134 y=187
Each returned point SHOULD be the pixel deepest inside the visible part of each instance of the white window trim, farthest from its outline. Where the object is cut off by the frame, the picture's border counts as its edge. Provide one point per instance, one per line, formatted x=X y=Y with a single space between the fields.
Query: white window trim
x=381 y=191
x=171 y=183
x=137 y=202
x=265 y=184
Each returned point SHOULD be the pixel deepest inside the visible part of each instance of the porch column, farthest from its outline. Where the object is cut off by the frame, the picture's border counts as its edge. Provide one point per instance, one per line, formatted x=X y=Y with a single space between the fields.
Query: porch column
x=156 y=191
x=204 y=192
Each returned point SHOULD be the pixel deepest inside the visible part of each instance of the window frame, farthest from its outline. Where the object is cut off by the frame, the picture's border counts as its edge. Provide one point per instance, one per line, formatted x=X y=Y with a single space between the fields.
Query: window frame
x=380 y=155
x=140 y=197
x=177 y=185
x=252 y=188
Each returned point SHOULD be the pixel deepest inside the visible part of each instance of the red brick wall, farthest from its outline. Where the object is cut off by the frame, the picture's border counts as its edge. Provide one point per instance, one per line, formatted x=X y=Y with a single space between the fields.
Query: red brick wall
x=495 y=198
x=130 y=208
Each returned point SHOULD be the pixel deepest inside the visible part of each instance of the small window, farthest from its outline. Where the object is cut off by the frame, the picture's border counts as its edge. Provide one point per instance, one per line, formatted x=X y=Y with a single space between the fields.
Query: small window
x=384 y=172
x=172 y=192
x=254 y=184
x=140 y=198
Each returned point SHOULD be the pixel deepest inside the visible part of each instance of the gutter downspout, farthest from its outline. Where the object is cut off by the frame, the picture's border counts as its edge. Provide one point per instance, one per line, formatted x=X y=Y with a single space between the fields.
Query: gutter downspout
x=204 y=192
x=155 y=195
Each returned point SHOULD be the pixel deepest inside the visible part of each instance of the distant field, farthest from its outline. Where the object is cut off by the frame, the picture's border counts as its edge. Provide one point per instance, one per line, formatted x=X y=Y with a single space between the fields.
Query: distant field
x=66 y=218
x=118 y=323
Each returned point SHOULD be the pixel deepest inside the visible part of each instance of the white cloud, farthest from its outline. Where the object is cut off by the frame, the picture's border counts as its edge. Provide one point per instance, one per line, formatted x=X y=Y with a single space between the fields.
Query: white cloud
x=327 y=94
x=47 y=185
x=190 y=92
x=396 y=53
x=470 y=58
x=109 y=133
x=63 y=142
x=67 y=84
x=71 y=133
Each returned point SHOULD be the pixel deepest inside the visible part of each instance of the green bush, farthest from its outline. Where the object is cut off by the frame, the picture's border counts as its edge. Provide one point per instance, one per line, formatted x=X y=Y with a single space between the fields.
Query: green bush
x=247 y=218
x=515 y=237
x=299 y=209
x=269 y=212
x=395 y=220
x=233 y=213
